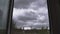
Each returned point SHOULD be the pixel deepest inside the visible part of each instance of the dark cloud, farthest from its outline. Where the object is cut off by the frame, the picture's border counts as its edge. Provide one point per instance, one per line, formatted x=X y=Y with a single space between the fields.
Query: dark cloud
x=21 y=24
x=40 y=3
x=27 y=3
x=22 y=3
x=28 y=16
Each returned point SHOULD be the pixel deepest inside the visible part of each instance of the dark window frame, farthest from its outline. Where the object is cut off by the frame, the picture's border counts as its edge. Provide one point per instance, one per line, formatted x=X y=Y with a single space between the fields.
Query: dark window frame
x=54 y=17
x=9 y=19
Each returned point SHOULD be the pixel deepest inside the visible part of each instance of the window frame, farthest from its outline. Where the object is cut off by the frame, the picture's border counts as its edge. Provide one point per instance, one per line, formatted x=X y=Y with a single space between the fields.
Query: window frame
x=9 y=19
x=53 y=13
x=54 y=17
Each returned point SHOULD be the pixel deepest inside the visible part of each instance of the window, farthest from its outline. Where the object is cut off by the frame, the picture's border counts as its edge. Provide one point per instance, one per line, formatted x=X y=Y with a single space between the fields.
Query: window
x=3 y=15
x=28 y=8
x=30 y=17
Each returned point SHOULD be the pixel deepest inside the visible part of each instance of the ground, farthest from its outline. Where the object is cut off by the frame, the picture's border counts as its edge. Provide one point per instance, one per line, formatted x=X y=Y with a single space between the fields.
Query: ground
x=17 y=31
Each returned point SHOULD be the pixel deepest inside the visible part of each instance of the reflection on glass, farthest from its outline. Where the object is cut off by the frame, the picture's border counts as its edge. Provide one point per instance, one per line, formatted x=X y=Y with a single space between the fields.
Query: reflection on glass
x=3 y=15
x=30 y=17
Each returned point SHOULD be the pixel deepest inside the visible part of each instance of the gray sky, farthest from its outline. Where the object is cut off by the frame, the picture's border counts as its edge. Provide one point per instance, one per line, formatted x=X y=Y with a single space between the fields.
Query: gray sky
x=30 y=13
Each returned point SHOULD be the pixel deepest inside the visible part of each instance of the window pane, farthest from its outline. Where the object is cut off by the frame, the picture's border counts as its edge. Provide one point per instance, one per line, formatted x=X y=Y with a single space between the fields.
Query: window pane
x=3 y=15
x=30 y=17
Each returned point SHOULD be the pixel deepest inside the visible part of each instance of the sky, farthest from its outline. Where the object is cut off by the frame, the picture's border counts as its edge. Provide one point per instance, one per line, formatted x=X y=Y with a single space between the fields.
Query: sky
x=30 y=13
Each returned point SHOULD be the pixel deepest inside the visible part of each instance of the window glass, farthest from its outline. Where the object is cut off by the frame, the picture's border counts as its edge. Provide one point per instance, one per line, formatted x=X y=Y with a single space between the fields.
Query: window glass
x=30 y=17
x=3 y=15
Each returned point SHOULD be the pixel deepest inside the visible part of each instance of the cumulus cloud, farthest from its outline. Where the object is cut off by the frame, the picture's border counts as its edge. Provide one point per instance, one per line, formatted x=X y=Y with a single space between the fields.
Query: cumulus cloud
x=29 y=17
x=31 y=13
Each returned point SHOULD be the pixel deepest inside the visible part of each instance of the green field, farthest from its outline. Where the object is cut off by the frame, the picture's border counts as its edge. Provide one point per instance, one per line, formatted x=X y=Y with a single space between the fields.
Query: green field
x=17 y=31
